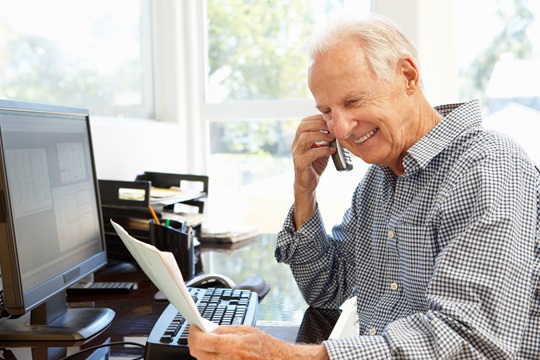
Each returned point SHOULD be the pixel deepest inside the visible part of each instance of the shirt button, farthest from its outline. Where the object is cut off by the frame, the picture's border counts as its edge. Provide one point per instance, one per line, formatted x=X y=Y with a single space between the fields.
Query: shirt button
x=372 y=332
x=391 y=234
x=394 y=286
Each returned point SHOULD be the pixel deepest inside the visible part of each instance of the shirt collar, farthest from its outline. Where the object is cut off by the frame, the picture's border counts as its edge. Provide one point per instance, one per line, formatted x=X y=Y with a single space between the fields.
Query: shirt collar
x=457 y=118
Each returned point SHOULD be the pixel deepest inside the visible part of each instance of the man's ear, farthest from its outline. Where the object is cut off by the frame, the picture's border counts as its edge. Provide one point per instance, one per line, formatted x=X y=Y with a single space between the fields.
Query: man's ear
x=410 y=73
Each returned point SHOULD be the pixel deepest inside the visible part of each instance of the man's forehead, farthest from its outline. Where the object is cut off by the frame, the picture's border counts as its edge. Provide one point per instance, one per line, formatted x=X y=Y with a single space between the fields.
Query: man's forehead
x=339 y=56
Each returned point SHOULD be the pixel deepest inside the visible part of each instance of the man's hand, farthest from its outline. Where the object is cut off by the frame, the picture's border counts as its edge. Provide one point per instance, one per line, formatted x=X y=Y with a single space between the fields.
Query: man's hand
x=246 y=342
x=310 y=153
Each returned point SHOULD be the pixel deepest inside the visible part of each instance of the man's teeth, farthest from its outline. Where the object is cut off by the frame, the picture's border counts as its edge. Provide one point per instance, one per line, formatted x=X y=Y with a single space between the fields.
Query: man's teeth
x=365 y=137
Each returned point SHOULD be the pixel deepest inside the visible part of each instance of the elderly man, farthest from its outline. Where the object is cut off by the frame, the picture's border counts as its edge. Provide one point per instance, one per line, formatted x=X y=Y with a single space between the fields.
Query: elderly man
x=440 y=243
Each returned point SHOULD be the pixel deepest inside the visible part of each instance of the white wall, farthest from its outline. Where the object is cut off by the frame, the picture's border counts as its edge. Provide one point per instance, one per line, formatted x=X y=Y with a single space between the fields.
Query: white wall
x=430 y=25
x=175 y=143
x=125 y=148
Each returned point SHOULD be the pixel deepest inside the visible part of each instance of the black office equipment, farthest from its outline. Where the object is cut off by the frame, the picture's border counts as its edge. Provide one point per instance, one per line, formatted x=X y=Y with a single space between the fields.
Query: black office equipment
x=177 y=238
x=168 y=339
x=211 y=281
x=256 y=284
x=133 y=214
x=166 y=180
x=51 y=234
x=99 y=287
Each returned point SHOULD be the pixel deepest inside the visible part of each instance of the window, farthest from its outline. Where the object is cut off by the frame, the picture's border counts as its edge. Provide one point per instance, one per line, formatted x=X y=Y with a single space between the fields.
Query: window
x=255 y=95
x=498 y=57
x=86 y=54
x=256 y=90
x=493 y=34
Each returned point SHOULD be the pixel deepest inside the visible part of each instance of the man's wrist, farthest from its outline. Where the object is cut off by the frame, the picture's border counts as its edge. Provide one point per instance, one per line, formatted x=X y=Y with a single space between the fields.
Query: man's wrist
x=304 y=209
x=315 y=352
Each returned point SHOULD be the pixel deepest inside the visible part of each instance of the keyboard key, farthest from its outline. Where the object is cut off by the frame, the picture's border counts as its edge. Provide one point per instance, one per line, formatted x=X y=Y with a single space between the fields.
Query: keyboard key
x=166 y=339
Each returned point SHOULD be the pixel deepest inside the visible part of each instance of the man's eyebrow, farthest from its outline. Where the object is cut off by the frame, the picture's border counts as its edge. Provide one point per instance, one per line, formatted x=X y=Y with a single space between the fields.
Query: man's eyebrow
x=356 y=95
x=353 y=95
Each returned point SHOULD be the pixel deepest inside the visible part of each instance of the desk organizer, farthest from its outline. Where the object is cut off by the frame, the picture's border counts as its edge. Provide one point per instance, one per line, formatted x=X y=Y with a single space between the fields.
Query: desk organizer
x=133 y=214
x=174 y=238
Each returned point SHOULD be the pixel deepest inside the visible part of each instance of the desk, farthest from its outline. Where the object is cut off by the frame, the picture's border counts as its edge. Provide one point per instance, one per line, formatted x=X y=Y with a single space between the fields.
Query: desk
x=281 y=312
x=283 y=304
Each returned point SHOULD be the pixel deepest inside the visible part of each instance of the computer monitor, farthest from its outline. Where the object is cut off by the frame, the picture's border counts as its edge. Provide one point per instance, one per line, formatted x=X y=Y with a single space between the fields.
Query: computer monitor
x=51 y=230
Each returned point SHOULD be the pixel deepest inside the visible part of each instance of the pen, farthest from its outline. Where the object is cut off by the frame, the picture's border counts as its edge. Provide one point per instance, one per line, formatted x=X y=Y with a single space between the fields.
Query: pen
x=154 y=215
x=167 y=222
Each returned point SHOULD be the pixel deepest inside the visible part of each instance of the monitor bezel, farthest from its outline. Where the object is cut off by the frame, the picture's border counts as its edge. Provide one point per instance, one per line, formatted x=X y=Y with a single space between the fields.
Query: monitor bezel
x=18 y=301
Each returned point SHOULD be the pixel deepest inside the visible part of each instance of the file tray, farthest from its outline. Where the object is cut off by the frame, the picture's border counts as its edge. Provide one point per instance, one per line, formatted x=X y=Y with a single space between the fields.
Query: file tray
x=111 y=194
x=167 y=180
x=127 y=203
x=132 y=214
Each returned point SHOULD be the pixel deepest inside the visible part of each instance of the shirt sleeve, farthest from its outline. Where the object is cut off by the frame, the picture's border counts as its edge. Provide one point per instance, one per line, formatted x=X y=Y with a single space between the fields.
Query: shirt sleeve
x=307 y=252
x=304 y=240
x=311 y=254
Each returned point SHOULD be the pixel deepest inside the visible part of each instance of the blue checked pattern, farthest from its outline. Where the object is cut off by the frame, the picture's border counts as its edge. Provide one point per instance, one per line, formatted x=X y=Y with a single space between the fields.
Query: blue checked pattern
x=444 y=259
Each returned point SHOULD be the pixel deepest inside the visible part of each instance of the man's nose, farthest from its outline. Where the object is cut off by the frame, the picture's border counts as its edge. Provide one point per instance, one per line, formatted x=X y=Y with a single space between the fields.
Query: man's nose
x=343 y=126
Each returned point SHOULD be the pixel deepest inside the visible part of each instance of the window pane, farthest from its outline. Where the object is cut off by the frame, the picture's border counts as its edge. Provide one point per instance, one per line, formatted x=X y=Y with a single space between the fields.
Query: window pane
x=496 y=40
x=503 y=71
x=73 y=53
x=251 y=172
x=250 y=167
x=257 y=50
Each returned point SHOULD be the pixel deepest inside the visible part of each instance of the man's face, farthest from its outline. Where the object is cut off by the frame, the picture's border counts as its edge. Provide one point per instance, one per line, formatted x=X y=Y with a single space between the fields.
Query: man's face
x=372 y=118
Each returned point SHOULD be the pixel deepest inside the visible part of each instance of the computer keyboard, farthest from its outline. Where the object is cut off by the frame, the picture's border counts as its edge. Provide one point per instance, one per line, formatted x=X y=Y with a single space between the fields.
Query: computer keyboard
x=168 y=339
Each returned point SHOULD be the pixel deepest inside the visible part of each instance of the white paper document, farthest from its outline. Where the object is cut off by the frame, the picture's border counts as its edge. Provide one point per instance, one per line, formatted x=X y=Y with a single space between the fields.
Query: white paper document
x=347 y=324
x=161 y=267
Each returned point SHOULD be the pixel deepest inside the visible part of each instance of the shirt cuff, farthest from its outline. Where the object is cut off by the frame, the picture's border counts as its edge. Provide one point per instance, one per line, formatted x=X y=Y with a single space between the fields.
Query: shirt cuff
x=290 y=239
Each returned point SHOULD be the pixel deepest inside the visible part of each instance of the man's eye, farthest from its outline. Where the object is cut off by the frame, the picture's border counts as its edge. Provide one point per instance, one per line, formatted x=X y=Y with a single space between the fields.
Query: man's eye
x=354 y=103
x=327 y=115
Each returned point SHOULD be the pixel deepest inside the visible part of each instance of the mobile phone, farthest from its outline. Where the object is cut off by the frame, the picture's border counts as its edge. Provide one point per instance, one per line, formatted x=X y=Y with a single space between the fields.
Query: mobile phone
x=342 y=157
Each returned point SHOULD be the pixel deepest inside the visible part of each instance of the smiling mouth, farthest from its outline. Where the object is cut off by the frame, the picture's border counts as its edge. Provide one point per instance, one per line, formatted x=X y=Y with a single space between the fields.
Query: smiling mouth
x=365 y=137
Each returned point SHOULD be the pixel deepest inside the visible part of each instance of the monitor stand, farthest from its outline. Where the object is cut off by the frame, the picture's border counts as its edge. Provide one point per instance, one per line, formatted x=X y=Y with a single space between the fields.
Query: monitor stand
x=54 y=321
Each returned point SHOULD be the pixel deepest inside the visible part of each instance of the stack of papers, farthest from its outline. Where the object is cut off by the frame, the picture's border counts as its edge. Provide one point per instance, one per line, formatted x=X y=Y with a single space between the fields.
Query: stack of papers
x=161 y=196
x=161 y=267
x=229 y=235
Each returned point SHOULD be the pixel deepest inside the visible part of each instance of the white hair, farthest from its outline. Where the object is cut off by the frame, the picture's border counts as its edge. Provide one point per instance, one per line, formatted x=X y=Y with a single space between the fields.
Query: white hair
x=383 y=42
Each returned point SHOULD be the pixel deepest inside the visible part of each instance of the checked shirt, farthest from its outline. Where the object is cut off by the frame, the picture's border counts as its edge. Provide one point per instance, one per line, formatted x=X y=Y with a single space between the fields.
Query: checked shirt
x=444 y=259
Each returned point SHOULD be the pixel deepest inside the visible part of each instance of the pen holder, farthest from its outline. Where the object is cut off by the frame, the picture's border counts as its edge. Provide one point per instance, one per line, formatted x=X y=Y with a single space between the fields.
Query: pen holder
x=171 y=238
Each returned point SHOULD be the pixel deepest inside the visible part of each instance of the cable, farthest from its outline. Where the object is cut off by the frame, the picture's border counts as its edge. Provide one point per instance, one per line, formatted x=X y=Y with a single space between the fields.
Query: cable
x=104 y=345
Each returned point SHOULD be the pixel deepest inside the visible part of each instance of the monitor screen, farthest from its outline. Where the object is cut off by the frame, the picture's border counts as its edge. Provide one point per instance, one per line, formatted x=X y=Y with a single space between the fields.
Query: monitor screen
x=51 y=231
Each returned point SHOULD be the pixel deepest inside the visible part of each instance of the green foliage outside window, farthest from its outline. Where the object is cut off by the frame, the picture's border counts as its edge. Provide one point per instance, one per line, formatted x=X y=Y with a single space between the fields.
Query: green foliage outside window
x=257 y=50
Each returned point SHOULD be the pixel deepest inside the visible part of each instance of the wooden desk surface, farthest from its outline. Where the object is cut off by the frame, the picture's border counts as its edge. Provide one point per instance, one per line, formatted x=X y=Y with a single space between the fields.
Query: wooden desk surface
x=280 y=313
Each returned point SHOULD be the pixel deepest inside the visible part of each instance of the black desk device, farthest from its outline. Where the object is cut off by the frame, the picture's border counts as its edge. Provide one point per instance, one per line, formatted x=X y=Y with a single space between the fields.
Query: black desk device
x=95 y=288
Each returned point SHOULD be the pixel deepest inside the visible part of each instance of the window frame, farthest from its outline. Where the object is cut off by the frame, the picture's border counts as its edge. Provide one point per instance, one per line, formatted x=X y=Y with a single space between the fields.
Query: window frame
x=181 y=62
x=189 y=58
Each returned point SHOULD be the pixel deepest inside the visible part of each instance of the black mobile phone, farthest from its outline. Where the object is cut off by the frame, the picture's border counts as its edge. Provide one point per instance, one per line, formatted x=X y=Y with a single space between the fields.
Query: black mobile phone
x=342 y=157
